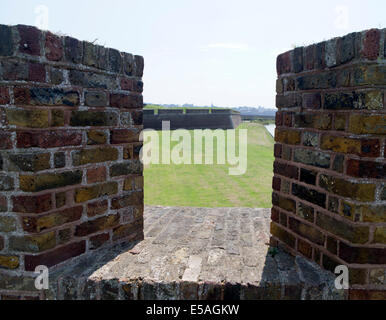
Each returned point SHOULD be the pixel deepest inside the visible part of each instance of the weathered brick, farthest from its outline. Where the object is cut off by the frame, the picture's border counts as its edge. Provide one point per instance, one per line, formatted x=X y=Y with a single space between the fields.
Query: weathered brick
x=123 y=136
x=362 y=255
x=371 y=44
x=364 y=75
x=49 y=181
x=297 y=59
x=283 y=63
x=310 y=56
x=366 y=169
x=37 y=72
x=134 y=198
x=311 y=100
x=284 y=203
x=30 y=38
x=9 y=262
x=313 y=120
x=374 y=213
x=367 y=124
x=90 y=54
x=32 y=244
x=380 y=235
x=64 y=236
x=290 y=100
x=56 y=256
x=96 y=137
x=7 y=224
x=306 y=212
x=99 y=240
x=28 y=118
x=346 y=48
x=372 y=100
x=32 y=204
x=139 y=65
x=5 y=140
x=56 y=76
x=308 y=176
x=115 y=60
x=283 y=235
x=377 y=276
x=126 y=101
x=288 y=136
x=304 y=248
x=132 y=231
x=89 y=118
x=351 y=211
x=96 y=175
x=92 y=80
x=54 y=47
x=73 y=50
x=137 y=117
x=309 y=195
x=312 y=158
x=276 y=184
x=323 y=80
x=97 y=208
x=340 y=121
x=338 y=163
x=48 y=139
x=60 y=199
x=31 y=162
x=59 y=160
x=286 y=170
x=7 y=41
x=51 y=220
x=57 y=118
x=306 y=231
x=96 y=99
x=368 y=147
x=99 y=224
x=96 y=155
x=359 y=235
x=97 y=191
x=344 y=188
x=126 y=168
x=333 y=204
x=6 y=183
x=4 y=95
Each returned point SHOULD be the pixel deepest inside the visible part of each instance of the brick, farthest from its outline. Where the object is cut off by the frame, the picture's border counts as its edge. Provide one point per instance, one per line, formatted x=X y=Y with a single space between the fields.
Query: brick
x=49 y=181
x=313 y=120
x=57 y=118
x=276 y=184
x=351 y=211
x=115 y=60
x=99 y=224
x=283 y=63
x=92 y=80
x=367 y=124
x=377 y=276
x=331 y=59
x=9 y=262
x=33 y=244
x=56 y=76
x=346 y=47
x=139 y=65
x=290 y=100
x=362 y=255
x=323 y=80
x=128 y=64
x=56 y=256
x=279 y=119
x=96 y=155
x=97 y=191
x=332 y=245
x=338 y=163
x=137 y=117
x=7 y=224
x=305 y=249
x=308 y=176
x=73 y=50
x=95 y=119
x=51 y=97
x=126 y=101
x=51 y=220
x=59 y=160
x=4 y=95
x=123 y=136
x=134 y=198
x=298 y=59
x=32 y=204
x=306 y=212
x=6 y=183
x=344 y=188
x=103 y=58
x=127 y=84
x=361 y=294
x=64 y=236
x=30 y=162
x=284 y=203
x=7 y=41
x=5 y=141
x=374 y=213
x=60 y=199
x=309 y=195
x=96 y=99
x=380 y=235
x=312 y=101
x=30 y=38
x=14 y=70
x=371 y=100
x=96 y=175
x=287 y=153
x=366 y=169
x=288 y=136
x=370 y=148
x=27 y=118
x=340 y=121
x=97 y=208
x=333 y=204
x=37 y=72
x=126 y=168
x=329 y=263
x=54 y=47
x=368 y=75
x=96 y=137
x=358 y=235
x=99 y=240
x=306 y=231
x=283 y=235
x=286 y=170
x=312 y=158
x=309 y=61
x=90 y=54
x=371 y=44
x=285 y=186
x=277 y=150
x=3 y=204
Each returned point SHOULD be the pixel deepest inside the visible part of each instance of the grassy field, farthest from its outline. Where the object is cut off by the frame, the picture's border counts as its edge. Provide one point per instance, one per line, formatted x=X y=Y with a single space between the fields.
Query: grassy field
x=210 y=185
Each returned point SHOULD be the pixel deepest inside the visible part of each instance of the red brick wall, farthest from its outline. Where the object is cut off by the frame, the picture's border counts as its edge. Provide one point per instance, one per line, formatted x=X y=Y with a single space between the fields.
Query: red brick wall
x=329 y=200
x=70 y=176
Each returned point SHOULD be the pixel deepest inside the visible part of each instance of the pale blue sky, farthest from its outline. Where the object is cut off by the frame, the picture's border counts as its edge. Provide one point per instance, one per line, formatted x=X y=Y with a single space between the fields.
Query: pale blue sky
x=204 y=51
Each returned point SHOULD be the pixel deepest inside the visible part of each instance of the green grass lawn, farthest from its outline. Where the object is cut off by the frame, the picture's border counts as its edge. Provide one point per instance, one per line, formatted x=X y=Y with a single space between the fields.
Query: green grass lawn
x=211 y=185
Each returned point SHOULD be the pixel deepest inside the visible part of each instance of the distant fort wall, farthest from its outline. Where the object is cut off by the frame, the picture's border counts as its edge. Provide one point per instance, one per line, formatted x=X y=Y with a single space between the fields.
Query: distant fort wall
x=192 y=119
